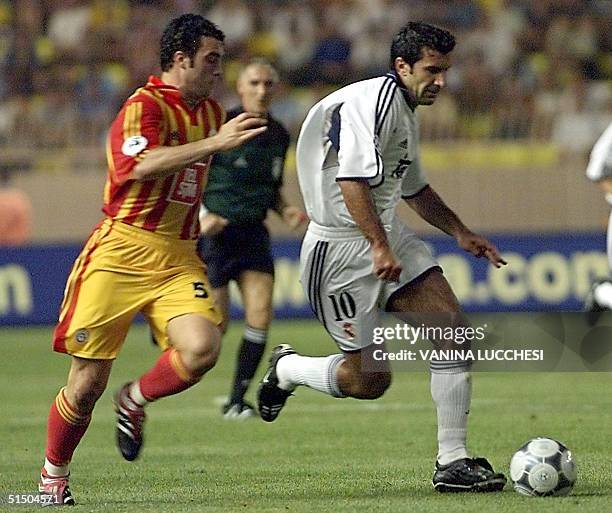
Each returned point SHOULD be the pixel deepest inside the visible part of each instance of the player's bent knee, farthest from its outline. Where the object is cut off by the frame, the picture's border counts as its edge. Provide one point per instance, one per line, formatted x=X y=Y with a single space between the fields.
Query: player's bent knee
x=201 y=362
x=202 y=356
x=198 y=342
x=208 y=359
x=223 y=326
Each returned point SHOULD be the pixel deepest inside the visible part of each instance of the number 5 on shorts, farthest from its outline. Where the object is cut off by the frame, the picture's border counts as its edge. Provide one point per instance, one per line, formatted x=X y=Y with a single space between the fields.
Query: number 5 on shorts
x=199 y=289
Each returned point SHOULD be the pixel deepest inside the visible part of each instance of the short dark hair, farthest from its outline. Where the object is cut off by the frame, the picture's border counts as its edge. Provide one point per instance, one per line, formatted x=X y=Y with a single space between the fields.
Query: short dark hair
x=409 y=42
x=183 y=34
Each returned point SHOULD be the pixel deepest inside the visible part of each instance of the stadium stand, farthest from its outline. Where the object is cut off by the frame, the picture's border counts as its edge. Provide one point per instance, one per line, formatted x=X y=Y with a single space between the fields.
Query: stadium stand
x=530 y=89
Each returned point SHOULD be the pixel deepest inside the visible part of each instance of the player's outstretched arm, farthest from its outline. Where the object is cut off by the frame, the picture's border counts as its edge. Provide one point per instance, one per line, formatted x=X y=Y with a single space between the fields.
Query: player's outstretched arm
x=479 y=246
x=431 y=207
x=166 y=160
x=360 y=205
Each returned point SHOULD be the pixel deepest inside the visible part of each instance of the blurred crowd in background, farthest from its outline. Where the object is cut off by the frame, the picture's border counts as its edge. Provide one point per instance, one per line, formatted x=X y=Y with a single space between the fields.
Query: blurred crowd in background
x=522 y=69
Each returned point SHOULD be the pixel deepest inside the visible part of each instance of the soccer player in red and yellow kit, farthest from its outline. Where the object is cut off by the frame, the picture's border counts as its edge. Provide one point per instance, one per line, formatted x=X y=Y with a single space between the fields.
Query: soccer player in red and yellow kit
x=142 y=256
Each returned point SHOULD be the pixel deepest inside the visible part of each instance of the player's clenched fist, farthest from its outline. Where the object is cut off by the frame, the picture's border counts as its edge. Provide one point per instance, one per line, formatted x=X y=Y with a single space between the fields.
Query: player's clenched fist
x=386 y=266
x=212 y=224
x=240 y=129
x=294 y=217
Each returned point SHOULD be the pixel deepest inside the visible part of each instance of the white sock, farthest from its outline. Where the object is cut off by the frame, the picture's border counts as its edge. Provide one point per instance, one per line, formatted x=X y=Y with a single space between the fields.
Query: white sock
x=55 y=471
x=603 y=294
x=136 y=394
x=319 y=373
x=452 y=393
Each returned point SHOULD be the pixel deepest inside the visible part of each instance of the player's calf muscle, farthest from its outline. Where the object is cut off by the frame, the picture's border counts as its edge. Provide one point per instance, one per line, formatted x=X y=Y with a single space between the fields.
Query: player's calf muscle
x=356 y=383
x=84 y=399
x=363 y=385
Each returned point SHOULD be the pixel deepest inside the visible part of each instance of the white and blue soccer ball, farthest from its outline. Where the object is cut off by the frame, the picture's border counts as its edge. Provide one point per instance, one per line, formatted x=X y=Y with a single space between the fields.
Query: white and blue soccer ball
x=543 y=467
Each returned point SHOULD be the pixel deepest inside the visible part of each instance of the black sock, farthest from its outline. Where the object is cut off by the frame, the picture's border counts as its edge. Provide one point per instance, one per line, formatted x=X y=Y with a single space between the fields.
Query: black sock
x=249 y=355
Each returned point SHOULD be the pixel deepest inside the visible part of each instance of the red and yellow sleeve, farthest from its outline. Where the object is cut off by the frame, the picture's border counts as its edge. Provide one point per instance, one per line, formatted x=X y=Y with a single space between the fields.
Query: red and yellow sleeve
x=135 y=131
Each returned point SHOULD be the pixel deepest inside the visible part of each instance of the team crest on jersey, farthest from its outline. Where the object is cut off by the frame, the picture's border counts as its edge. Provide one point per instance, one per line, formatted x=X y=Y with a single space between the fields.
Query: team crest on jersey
x=349 y=330
x=401 y=168
x=132 y=146
x=186 y=185
x=82 y=335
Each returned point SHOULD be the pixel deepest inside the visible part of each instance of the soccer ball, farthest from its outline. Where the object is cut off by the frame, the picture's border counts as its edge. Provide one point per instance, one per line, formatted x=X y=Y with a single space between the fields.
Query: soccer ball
x=543 y=467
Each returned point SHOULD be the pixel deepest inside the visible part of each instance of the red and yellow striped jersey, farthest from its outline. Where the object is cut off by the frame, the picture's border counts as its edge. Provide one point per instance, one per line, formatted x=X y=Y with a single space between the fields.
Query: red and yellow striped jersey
x=156 y=115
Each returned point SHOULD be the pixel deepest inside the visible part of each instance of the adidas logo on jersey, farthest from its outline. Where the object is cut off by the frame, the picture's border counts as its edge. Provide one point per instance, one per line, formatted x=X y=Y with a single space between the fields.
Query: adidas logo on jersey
x=240 y=162
x=404 y=144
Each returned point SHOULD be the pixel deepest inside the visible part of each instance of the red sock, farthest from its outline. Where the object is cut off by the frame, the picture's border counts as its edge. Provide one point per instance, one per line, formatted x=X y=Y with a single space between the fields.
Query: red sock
x=65 y=428
x=168 y=377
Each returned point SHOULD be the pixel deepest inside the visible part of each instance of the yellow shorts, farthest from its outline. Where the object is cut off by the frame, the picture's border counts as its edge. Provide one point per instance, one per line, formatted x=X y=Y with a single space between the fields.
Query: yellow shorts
x=124 y=270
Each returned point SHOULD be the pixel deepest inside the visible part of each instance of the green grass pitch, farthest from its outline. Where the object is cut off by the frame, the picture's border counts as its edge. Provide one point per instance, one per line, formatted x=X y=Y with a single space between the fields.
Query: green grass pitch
x=322 y=454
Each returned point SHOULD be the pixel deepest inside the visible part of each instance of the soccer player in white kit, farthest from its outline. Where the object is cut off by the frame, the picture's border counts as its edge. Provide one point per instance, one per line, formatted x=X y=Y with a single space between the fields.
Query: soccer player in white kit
x=357 y=156
x=599 y=170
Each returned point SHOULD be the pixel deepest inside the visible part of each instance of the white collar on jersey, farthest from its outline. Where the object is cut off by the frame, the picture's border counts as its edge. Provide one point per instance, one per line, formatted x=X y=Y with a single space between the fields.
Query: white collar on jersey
x=408 y=96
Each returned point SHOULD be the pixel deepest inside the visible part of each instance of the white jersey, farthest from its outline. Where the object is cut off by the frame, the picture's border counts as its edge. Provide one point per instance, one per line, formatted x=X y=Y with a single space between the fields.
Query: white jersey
x=365 y=130
x=600 y=163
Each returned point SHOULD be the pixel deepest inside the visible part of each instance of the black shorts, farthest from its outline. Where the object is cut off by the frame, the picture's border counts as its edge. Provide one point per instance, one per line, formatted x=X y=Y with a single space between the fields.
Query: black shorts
x=239 y=247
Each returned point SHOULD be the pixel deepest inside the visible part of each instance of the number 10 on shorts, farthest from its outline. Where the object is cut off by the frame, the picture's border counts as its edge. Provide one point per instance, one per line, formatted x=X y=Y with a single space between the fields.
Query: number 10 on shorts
x=344 y=306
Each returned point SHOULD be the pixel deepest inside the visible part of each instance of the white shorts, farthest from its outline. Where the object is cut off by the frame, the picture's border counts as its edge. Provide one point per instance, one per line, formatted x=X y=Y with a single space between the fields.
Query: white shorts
x=344 y=294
